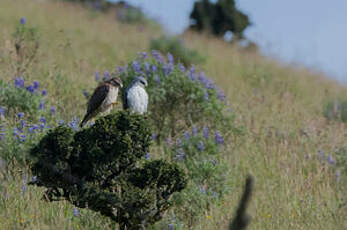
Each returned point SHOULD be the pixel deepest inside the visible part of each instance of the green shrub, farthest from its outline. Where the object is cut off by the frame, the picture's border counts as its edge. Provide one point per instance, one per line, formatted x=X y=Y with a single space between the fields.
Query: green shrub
x=179 y=98
x=176 y=47
x=18 y=99
x=100 y=168
x=24 y=117
x=341 y=155
x=336 y=110
x=199 y=153
x=129 y=14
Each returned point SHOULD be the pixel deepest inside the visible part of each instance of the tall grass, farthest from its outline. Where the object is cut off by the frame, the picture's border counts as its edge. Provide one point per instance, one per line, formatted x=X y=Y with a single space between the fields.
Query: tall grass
x=280 y=106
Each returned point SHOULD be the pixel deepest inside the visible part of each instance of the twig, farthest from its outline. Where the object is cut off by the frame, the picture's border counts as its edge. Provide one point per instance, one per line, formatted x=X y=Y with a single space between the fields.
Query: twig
x=241 y=219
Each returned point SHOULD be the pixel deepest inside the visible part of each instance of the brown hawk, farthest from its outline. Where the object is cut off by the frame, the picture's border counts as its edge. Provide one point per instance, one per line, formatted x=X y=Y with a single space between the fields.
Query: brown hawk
x=103 y=99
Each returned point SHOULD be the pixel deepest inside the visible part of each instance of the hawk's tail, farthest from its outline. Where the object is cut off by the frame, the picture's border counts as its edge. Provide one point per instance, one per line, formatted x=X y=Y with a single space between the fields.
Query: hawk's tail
x=86 y=119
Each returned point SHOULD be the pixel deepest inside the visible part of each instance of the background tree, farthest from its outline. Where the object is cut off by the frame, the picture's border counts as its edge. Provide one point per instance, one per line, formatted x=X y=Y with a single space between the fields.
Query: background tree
x=219 y=18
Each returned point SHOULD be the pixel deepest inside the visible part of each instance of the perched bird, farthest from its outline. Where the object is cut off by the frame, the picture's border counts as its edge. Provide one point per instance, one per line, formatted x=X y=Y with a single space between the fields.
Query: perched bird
x=135 y=97
x=103 y=99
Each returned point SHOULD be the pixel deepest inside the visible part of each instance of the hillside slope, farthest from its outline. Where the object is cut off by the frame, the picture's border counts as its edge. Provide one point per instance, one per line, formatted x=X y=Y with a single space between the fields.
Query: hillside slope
x=280 y=106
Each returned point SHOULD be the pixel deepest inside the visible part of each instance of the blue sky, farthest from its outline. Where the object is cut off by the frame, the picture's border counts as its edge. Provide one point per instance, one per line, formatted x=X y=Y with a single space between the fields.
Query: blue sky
x=308 y=32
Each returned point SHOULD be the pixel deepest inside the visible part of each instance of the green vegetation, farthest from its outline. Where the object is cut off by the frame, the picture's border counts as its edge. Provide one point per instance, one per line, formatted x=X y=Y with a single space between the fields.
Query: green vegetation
x=336 y=110
x=96 y=169
x=294 y=153
x=177 y=49
x=179 y=97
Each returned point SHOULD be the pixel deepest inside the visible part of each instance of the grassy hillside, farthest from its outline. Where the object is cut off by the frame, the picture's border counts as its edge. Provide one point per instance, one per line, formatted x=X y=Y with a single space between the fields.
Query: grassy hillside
x=281 y=108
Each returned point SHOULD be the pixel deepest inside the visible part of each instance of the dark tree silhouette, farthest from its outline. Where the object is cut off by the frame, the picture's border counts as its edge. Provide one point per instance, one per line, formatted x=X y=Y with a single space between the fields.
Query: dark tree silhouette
x=219 y=18
x=98 y=168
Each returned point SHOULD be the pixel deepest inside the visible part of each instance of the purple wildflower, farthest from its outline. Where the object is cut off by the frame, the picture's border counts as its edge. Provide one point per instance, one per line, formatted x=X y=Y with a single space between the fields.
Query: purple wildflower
x=201 y=146
x=205 y=95
x=33 y=179
x=61 y=122
x=22 y=20
x=148 y=156
x=2 y=111
x=167 y=69
x=186 y=135
x=74 y=123
x=194 y=131
x=154 y=68
x=97 y=76
x=221 y=95
x=31 y=130
x=42 y=126
x=19 y=82
x=85 y=93
x=203 y=189
x=42 y=105
x=157 y=56
x=120 y=69
x=209 y=84
x=22 y=124
x=24 y=187
x=16 y=132
x=331 y=160
x=44 y=92
x=178 y=142
x=30 y=88
x=205 y=131
x=106 y=75
x=168 y=141
x=53 y=110
x=182 y=67
x=43 y=120
x=180 y=154
x=170 y=227
x=136 y=67
x=23 y=137
x=142 y=55
x=154 y=136
x=218 y=138
x=75 y=212
x=147 y=67
x=191 y=73
x=170 y=59
x=157 y=79
x=320 y=154
x=36 y=85
x=20 y=115
x=338 y=176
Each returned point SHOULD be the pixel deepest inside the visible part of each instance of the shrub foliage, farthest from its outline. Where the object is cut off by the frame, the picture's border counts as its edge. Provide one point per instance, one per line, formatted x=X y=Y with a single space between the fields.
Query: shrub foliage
x=178 y=97
x=100 y=168
x=176 y=47
x=336 y=110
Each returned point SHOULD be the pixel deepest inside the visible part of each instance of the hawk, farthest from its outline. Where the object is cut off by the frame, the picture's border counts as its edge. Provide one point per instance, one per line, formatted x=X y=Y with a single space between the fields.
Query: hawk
x=103 y=99
x=135 y=97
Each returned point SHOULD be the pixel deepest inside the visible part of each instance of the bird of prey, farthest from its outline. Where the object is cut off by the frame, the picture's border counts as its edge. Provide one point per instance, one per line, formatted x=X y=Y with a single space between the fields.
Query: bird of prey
x=135 y=97
x=103 y=99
